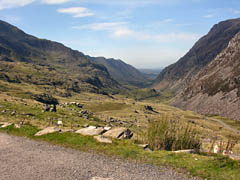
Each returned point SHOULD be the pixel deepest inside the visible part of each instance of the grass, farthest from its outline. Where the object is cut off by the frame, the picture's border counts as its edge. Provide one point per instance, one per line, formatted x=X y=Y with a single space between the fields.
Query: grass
x=232 y=123
x=107 y=106
x=166 y=134
x=210 y=167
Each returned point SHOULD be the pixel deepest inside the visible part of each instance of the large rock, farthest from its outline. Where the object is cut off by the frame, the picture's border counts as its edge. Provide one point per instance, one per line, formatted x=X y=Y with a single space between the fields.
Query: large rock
x=91 y=131
x=5 y=124
x=47 y=130
x=103 y=139
x=119 y=133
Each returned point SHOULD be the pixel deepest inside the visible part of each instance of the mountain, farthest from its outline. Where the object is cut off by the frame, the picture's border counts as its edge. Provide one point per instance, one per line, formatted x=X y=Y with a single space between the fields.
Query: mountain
x=122 y=72
x=215 y=89
x=27 y=59
x=175 y=77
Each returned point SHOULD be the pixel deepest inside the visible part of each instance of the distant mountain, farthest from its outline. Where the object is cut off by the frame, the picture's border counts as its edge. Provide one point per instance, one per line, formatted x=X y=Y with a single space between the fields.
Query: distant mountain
x=152 y=74
x=176 y=76
x=215 y=89
x=122 y=72
x=25 y=58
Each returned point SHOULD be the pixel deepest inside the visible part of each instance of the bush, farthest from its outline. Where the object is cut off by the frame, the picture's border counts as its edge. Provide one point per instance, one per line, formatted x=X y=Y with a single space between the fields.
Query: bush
x=171 y=135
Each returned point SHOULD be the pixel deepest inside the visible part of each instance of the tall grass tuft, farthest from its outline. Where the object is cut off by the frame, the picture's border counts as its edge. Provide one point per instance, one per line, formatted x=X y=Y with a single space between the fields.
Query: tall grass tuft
x=171 y=135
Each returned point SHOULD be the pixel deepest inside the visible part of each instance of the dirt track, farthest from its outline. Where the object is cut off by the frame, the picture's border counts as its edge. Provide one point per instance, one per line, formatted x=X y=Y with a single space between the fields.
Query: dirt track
x=24 y=159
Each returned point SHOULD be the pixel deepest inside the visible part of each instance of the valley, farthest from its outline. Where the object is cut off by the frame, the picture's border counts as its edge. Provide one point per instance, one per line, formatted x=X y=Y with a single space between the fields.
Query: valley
x=192 y=104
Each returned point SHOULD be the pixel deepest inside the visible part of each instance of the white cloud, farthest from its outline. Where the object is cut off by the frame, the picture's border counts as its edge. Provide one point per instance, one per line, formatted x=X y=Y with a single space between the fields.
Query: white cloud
x=121 y=30
x=76 y=11
x=209 y=16
x=234 y=11
x=102 y=26
x=55 y=1
x=5 y=4
x=132 y=3
x=167 y=20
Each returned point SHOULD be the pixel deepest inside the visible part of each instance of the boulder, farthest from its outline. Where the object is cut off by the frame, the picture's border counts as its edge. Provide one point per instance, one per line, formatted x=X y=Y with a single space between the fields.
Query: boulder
x=103 y=139
x=47 y=130
x=119 y=133
x=91 y=131
x=5 y=124
x=188 y=151
x=149 y=108
x=107 y=128
x=18 y=126
x=144 y=146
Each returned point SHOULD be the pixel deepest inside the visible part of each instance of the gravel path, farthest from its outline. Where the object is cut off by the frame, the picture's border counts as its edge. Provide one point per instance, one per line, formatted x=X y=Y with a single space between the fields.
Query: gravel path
x=25 y=159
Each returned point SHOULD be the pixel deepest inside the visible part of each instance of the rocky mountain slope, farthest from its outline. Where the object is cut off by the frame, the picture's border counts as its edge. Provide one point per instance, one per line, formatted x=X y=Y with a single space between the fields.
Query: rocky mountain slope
x=216 y=88
x=176 y=76
x=27 y=59
x=122 y=72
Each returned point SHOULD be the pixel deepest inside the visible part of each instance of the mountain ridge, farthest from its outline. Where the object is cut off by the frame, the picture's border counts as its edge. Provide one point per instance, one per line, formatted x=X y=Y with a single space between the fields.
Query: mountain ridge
x=176 y=76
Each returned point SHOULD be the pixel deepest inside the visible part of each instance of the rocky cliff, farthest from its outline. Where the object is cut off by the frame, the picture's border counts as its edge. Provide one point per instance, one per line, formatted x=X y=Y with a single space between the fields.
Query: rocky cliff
x=215 y=89
x=176 y=76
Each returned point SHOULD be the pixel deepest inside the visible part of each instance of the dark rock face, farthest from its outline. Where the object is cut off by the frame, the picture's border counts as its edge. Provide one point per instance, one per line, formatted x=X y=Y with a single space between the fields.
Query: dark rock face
x=176 y=76
x=216 y=88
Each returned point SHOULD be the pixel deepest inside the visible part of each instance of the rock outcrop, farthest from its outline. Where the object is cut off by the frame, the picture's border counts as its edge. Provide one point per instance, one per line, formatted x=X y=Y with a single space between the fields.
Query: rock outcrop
x=216 y=88
x=119 y=133
x=48 y=130
x=91 y=131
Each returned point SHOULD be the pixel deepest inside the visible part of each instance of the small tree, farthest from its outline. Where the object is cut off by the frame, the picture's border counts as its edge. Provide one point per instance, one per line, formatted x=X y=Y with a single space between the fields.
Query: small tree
x=47 y=100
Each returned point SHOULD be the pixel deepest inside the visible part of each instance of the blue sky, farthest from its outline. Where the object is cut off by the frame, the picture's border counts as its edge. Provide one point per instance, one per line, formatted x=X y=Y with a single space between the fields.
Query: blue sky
x=143 y=33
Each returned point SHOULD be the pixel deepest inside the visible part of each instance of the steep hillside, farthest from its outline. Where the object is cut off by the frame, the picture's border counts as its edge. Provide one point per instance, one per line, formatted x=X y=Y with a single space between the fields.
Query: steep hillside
x=216 y=88
x=27 y=59
x=123 y=72
x=177 y=75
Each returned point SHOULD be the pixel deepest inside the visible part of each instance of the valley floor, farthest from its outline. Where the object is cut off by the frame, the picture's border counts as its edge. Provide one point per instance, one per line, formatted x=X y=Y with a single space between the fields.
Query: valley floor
x=22 y=158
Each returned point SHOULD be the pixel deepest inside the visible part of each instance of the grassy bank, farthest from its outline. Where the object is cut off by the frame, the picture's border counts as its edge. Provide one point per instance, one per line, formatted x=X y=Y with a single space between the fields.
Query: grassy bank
x=208 y=167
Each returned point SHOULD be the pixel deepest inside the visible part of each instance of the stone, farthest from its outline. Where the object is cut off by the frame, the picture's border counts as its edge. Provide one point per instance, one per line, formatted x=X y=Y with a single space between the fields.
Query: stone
x=107 y=128
x=216 y=149
x=59 y=123
x=119 y=133
x=85 y=125
x=66 y=130
x=149 y=108
x=47 y=130
x=103 y=139
x=91 y=131
x=5 y=124
x=188 y=151
x=13 y=113
x=144 y=146
x=18 y=126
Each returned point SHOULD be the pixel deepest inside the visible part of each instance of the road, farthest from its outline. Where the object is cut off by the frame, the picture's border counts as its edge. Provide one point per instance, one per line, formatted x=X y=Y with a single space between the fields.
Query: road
x=25 y=159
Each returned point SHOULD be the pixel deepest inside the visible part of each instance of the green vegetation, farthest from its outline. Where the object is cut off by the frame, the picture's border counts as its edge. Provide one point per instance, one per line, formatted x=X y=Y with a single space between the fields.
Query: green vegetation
x=167 y=134
x=106 y=106
x=210 y=167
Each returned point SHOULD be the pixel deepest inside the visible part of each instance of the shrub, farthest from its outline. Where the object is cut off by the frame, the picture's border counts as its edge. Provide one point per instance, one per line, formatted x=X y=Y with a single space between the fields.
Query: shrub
x=171 y=135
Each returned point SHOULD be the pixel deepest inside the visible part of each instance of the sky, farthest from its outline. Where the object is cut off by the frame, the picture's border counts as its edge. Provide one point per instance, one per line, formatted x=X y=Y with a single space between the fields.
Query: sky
x=143 y=33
